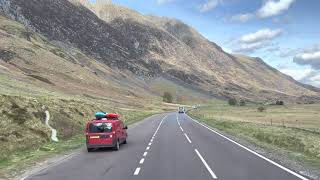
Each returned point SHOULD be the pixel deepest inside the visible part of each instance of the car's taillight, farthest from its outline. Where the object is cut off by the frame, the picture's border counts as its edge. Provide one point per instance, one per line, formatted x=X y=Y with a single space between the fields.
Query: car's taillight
x=110 y=135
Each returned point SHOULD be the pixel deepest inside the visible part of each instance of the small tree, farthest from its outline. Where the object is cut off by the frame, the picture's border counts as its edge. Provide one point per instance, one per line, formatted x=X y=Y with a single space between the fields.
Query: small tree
x=279 y=102
x=179 y=99
x=242 y=102
x=261 y=108
x=167 y=97
x=232 y=101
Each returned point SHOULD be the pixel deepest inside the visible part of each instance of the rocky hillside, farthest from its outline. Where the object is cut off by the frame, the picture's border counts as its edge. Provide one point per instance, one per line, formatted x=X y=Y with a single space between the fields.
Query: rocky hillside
x=153 y=48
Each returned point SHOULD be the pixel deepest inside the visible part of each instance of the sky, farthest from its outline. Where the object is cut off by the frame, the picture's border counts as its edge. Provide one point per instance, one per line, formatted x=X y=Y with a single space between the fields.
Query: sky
x=284 y=33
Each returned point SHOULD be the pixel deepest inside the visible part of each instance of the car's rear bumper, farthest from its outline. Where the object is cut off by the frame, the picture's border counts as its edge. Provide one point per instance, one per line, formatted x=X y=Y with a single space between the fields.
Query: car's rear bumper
x=101 y=145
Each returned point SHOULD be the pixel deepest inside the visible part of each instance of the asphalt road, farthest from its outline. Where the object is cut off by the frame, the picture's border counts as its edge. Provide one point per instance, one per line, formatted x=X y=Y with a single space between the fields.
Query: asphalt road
x=169 y=147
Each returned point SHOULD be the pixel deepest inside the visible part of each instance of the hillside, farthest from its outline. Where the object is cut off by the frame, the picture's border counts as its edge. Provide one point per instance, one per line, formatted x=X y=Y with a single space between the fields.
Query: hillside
x=129 y=51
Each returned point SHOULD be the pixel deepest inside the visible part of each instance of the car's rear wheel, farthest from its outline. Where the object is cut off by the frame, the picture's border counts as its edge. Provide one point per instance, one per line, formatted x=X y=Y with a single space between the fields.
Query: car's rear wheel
x=117 y=146
x=89 y=149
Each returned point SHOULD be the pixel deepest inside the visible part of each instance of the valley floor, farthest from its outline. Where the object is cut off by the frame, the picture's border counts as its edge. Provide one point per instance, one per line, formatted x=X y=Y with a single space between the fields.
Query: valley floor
x=289 y=134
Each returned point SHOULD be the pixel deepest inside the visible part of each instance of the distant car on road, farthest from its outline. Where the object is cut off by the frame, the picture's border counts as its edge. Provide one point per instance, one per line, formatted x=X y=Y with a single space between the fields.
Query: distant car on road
x=109 y=131
x=181 y=110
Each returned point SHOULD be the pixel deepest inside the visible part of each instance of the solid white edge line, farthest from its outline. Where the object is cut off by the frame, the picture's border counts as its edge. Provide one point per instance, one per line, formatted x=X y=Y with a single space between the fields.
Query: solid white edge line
x=64 y=159
x=253 y=152
x=141 y=161
x=136 y=172
x=187 y=137
x=181 y=128
x=206 y=165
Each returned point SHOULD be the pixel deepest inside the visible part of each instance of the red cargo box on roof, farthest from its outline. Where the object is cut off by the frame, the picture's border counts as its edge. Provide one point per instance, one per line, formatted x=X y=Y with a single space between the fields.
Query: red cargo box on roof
x=112 y=115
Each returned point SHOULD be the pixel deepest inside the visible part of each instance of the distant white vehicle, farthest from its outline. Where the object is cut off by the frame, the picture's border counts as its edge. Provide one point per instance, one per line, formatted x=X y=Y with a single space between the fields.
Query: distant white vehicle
x=181 y=110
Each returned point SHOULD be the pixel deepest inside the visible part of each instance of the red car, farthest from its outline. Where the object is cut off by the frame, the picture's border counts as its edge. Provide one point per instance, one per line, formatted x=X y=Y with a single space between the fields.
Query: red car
x=106 y=132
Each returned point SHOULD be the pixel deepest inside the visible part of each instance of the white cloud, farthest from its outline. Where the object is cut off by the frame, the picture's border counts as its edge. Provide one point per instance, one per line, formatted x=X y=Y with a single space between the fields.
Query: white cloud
x=308 y=56
x=297 y=74
x=272 y=8
x=251 y=47
x=268 y=9
x=311 y=58
x=160 y=2
x=208 y=5
x=242 y=17
x=312 y=78
x=304 y=75
x=257 y=40
x=261 y=35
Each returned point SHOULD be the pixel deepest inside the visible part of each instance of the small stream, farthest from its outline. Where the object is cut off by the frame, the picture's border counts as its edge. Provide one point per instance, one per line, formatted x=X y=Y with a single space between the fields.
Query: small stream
x=53 y=131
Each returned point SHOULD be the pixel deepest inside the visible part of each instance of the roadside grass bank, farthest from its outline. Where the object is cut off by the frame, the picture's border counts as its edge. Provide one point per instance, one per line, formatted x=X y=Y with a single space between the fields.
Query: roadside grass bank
x=300 y=142
x=25 y=140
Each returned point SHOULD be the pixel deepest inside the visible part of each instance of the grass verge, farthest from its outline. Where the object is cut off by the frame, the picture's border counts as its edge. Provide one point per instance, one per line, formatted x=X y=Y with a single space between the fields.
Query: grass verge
x=17 y=162
x=302 y=145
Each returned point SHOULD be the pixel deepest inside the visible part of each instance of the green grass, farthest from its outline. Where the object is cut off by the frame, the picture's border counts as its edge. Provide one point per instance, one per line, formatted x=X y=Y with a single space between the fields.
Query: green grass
x=298 y=141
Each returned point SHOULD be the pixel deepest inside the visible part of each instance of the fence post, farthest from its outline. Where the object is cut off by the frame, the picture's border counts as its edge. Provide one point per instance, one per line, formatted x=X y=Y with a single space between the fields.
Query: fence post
x=271 y=121
x=283 y=123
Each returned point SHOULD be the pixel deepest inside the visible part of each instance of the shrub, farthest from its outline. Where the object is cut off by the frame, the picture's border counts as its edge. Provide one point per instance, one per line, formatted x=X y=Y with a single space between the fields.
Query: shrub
x=232 y=101
x=242 y=102
x=279 y=102
x=261 y=109
x=167 y=97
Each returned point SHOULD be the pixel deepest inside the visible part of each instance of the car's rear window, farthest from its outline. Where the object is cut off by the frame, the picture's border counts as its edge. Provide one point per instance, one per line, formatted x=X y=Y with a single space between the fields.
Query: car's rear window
x=100 y=127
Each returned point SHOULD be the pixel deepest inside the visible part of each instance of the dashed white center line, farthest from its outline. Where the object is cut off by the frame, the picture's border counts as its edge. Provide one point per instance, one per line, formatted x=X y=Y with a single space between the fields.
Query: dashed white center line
x=136 y=172
x=187 y=137
x=141 y=161
x=206 y=165
x=145 y=154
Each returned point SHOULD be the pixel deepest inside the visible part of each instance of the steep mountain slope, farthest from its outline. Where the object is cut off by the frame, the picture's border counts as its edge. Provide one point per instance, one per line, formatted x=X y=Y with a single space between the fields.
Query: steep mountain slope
x=154 y=48
x=230 y=75
x=32 y=65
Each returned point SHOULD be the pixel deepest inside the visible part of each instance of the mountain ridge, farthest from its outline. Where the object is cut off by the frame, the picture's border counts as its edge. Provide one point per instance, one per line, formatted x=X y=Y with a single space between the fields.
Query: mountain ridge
x=153 y=47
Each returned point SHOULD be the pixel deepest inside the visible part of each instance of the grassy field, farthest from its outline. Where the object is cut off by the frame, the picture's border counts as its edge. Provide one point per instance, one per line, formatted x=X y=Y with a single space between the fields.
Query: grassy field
x=292 y=130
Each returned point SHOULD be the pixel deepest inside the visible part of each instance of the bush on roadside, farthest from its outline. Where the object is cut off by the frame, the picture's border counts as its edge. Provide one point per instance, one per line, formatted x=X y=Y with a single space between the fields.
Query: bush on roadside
x=232 y=101
x=242 y=102
x=261 y=109
x=167 y=97
x=279 y=102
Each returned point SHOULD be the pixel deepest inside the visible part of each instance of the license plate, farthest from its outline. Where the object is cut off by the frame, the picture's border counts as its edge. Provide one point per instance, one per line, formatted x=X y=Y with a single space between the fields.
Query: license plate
x=94 y=137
